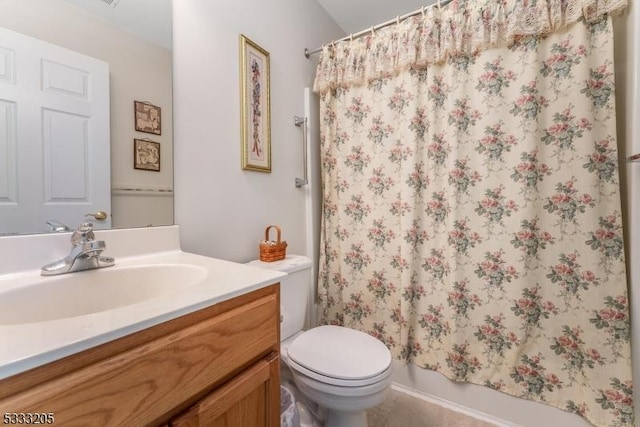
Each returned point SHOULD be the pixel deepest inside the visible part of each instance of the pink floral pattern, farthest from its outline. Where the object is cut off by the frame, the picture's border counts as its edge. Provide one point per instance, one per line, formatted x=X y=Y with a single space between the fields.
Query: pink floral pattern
x=600 y=86
x=531 y=376
x=531 y=308
x=471 y=213
x=495 y=78
x=530 y=103
x=495 y=336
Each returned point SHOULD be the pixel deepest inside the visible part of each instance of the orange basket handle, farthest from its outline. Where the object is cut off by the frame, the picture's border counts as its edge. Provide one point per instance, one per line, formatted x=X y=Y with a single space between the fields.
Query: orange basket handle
x=266 y=233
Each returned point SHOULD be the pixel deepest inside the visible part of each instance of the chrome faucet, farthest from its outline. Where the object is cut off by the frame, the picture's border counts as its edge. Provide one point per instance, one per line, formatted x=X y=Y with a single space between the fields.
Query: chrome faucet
x=85 y=254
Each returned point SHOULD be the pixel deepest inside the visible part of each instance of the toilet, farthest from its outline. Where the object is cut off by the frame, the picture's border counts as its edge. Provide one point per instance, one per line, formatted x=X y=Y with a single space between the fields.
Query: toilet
x=343 y=371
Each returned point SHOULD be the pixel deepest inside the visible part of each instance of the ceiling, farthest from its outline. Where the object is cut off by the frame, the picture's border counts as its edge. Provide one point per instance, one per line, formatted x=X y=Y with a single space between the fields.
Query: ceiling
x=357 y=15
x=148 y=19
x=151 y=19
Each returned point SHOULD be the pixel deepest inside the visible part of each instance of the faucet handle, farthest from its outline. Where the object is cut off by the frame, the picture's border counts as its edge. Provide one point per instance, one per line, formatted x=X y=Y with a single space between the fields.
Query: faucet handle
x=83 y=234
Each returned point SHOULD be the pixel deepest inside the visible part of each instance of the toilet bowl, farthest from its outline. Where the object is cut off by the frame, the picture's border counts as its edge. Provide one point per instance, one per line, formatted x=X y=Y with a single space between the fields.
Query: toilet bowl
x=342 y=370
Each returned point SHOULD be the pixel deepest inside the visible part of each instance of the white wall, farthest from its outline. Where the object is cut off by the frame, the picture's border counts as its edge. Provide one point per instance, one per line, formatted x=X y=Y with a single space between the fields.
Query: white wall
x=223 y=211
x=138 y=70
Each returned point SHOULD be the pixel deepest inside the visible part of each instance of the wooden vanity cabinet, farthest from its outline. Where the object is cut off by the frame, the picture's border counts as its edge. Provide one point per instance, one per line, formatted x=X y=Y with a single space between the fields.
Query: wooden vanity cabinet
x=218 y=366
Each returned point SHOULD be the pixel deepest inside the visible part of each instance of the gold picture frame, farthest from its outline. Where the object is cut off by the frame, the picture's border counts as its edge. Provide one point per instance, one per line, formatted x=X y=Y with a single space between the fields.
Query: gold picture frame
x=146 y=155
x=255 y=105
x=147 y=117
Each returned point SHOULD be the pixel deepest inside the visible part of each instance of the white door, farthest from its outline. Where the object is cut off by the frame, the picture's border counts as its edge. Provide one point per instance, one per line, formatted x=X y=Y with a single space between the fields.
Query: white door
x=54 y=136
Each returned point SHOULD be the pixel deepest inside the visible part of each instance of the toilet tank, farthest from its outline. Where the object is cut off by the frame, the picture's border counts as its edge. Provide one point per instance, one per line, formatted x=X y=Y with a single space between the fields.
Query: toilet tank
x=295 y=290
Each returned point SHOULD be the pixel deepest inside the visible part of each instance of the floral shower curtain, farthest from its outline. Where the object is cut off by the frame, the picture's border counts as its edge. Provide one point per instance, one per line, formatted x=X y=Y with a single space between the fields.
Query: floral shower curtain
x=471 y=216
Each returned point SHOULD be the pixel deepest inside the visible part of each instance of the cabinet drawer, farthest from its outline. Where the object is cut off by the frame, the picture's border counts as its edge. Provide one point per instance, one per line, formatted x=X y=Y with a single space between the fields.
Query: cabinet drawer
x=145 y=384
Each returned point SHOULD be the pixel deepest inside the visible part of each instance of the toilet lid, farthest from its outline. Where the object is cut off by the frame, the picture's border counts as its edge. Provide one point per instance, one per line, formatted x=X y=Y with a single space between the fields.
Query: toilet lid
x=339 y=352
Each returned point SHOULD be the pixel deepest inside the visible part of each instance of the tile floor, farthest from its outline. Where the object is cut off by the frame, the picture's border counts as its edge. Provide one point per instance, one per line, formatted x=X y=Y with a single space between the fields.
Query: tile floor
x=403 y=410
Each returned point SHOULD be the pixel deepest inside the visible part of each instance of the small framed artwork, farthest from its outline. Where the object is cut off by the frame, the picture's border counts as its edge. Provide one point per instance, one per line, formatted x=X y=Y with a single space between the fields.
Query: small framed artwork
x=256 y=107
x=146 y=155
x=147 y=118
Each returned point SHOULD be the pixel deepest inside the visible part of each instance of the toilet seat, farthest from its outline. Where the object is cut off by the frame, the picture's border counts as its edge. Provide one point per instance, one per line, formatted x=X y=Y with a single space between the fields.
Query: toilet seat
x=337 y=381
x=340 y=356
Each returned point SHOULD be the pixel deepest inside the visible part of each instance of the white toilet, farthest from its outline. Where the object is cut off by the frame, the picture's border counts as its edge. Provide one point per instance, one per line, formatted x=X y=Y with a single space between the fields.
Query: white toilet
x=343 y=370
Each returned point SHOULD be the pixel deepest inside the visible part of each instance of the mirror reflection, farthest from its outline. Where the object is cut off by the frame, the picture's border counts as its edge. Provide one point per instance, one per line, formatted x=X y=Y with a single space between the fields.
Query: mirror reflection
x=73 y=146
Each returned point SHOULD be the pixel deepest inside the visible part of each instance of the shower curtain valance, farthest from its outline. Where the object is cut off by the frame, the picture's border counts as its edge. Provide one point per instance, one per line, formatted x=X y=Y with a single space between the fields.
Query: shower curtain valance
x=463 y=27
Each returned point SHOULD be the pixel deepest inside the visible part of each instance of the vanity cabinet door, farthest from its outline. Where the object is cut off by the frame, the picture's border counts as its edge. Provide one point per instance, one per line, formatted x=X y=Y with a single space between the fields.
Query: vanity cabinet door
x=251 y=399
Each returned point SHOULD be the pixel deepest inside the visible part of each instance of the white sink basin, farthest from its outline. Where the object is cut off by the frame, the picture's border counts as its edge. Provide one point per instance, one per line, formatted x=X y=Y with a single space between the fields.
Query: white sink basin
x=87 y=292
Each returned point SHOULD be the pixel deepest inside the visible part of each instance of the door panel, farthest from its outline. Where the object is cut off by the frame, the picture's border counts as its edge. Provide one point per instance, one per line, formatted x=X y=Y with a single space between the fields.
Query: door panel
x=8 y=150
x=65 y=158
x=54 y=129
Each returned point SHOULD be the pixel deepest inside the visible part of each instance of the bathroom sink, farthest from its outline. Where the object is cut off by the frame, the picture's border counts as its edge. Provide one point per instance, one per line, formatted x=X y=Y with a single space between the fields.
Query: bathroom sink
x=70 y=295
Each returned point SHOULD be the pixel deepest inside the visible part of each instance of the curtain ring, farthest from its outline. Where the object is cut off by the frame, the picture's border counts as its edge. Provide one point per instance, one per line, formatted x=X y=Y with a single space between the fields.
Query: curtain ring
x=423 y=11
x=438 y=4
x=398 y=20
x=372 y=33
x=351 y=37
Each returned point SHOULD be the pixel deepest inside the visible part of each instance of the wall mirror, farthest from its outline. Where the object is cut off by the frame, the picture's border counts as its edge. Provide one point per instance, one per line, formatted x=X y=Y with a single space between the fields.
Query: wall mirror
x=68 y=120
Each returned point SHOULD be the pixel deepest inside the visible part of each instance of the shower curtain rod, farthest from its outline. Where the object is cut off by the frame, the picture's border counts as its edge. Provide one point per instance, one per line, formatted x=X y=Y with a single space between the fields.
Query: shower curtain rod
x=373 y=28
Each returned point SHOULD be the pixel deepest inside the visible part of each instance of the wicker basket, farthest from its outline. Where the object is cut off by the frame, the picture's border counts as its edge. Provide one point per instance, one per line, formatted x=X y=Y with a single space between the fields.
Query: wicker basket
x=272 y=250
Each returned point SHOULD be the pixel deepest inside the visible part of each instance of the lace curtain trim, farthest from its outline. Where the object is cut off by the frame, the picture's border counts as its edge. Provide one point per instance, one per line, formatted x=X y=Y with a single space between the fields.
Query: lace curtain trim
x=462 y=28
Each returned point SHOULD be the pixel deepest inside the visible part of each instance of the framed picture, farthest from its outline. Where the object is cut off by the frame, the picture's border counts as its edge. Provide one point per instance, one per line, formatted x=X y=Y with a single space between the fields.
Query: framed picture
x=146 y=155
x=256 y=108
x=147 y=117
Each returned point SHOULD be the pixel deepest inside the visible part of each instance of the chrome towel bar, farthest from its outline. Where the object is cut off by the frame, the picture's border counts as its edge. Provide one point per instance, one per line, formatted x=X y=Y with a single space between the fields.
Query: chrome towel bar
x=634 y=158
x=302 y=121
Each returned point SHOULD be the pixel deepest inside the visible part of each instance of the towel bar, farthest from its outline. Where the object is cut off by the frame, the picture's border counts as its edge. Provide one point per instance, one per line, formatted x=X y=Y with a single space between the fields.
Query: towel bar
x=302 y=121
x=633 y=158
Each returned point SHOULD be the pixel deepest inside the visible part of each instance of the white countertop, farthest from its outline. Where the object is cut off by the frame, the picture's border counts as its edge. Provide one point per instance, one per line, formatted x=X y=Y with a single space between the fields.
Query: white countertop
x=28 y=345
